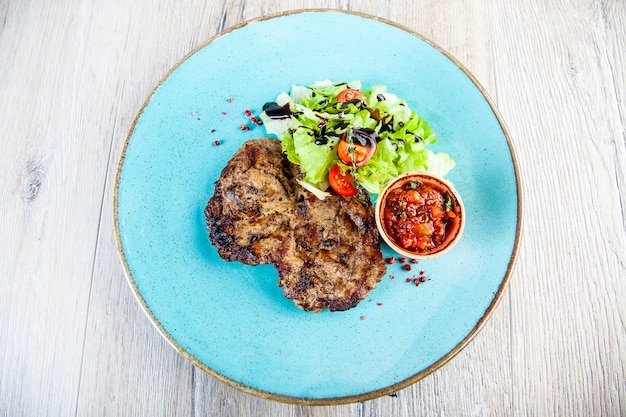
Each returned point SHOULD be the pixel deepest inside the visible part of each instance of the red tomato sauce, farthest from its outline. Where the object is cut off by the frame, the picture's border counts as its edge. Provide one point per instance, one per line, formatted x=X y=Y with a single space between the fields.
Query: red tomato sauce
x=416 y=215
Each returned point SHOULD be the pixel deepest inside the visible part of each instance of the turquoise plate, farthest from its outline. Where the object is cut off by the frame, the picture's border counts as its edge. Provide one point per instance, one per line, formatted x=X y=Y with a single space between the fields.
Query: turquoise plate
x=231 y=320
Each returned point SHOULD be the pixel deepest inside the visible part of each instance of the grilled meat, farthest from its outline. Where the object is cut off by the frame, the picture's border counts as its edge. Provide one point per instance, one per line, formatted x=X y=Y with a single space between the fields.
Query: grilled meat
x=251 y=211
x=327 y=253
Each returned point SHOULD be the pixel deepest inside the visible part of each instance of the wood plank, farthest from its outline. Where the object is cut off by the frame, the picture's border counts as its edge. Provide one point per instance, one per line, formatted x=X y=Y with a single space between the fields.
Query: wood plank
x=611 y=35
x=554 y=84
x=50 y=198
x=128 y=367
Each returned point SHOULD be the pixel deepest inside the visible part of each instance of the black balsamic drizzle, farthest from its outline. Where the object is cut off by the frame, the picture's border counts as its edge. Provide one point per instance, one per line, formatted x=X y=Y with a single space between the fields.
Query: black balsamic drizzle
x=274 y=111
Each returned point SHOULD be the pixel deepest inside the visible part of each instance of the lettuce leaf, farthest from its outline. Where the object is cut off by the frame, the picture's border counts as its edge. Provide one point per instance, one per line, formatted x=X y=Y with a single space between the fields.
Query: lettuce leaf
x=439 y=163
x=380 y=169
x=315 y=161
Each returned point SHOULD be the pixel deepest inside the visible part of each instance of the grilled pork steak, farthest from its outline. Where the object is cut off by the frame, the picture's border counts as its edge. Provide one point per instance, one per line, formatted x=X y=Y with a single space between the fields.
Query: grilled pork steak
x=327 y=253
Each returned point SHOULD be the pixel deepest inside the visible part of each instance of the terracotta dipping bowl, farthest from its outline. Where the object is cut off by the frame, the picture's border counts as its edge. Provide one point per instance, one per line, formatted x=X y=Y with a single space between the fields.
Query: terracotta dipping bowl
x=454 y=226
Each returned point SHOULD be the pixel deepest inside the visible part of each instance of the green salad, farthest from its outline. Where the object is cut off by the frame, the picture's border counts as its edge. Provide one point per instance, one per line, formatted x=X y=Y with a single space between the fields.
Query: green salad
x=349 y=138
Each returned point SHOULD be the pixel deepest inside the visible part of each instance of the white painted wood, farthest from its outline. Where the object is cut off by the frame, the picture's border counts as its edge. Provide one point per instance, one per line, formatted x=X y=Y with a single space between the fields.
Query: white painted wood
x=74 y=341
x=53 y=170
x=556 y=86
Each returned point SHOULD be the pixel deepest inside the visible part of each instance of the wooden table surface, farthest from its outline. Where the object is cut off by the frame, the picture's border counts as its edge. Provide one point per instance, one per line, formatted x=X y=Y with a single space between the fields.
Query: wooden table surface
x=73 y=339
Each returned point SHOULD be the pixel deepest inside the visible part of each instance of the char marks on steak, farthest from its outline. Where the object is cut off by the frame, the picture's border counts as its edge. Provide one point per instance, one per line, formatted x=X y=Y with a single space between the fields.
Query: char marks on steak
x=327 y=253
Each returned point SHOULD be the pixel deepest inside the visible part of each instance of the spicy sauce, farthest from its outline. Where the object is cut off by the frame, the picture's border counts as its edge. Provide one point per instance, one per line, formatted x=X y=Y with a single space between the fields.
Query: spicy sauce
x=416 y=216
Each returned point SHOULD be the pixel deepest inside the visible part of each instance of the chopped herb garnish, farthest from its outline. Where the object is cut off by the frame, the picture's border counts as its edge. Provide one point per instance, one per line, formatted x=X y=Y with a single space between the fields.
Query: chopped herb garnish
x=448 y=201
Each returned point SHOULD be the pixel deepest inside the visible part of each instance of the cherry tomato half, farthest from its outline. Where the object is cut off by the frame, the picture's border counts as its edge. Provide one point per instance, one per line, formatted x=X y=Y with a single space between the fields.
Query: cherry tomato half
x=358 y=149
x=349 y=94
x=342 y=184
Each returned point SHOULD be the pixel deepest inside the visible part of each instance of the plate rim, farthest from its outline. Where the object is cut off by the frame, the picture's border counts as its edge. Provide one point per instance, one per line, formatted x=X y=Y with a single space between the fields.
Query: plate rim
x=338 y=400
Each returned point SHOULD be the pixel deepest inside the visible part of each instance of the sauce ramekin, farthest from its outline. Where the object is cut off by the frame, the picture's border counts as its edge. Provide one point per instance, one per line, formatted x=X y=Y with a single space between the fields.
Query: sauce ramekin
x=453 y=228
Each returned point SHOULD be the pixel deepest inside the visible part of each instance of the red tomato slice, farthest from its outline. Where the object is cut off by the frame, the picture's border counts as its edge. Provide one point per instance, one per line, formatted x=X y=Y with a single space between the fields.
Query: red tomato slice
x=349 y=94
x=351 y=153
x=342 y=184
x=359 y=150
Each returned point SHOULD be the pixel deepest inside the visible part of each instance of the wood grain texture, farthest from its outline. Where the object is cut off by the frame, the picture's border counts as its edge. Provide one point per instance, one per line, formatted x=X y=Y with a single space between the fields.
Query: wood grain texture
x=51 y=206
x=73 y=339
x=569 y=310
